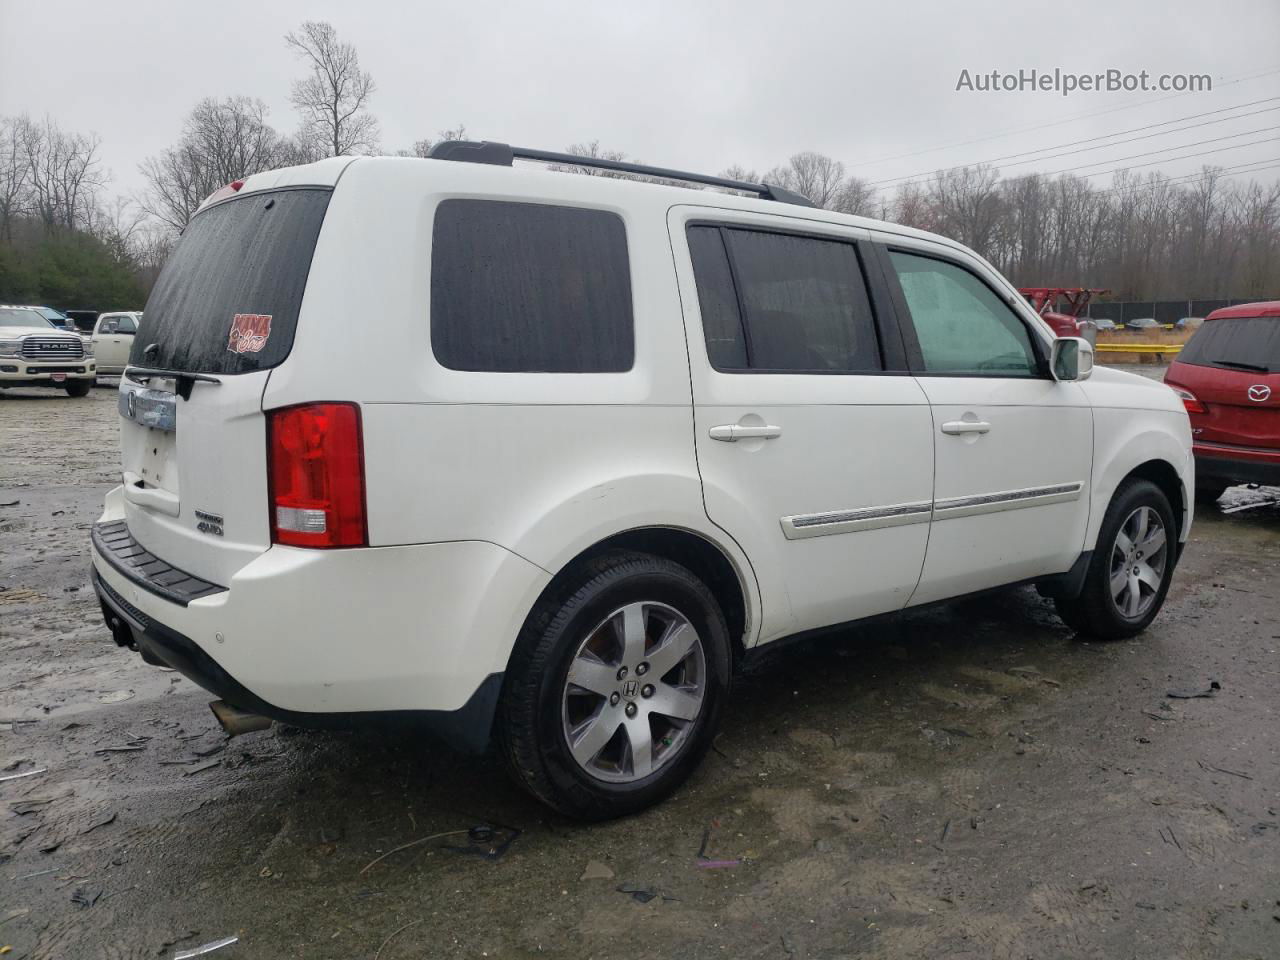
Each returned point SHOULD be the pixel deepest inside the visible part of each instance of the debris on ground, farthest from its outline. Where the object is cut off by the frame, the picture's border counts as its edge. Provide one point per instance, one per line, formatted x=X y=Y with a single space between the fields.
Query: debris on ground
x=412 y=843
x=488 y=842
x=205 y=948
x=115 y=696
x=84 y=897
x=1212 y=769
x=27 y=773
x=596 y=870
x=644 y=894
x=704 y=861
x=1191 y=693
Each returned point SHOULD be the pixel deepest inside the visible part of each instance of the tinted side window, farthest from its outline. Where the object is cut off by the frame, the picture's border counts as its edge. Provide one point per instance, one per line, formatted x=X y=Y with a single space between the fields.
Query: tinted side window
x=962 y=326
x=721 y=324
x=126 y=325
x=525 y=287
x=801 y=303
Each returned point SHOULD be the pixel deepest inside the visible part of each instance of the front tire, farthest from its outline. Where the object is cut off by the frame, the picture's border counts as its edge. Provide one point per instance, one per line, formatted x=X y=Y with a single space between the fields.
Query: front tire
x=616 y=686
x=1132 y=565
x=78 y=388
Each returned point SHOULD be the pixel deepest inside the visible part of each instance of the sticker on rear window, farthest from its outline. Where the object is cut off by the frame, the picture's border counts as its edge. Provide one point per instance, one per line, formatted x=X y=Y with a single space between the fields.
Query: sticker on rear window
x=249 y=332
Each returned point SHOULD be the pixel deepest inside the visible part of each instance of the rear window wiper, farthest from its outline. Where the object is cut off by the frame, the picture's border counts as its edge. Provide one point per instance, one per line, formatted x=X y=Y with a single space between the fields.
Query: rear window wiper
x=1260 y=368
x=185 y=381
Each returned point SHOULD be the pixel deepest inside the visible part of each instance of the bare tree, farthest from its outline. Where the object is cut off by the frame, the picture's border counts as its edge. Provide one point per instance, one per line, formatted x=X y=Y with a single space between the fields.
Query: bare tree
x=966 y=204
x=64 y=174
x=15 y=182
x=334 y=97
x=222 y=141
x=814 y=175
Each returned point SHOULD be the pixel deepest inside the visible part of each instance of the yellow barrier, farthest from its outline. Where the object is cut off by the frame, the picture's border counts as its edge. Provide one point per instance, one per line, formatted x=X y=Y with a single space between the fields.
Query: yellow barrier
x=1138 y=347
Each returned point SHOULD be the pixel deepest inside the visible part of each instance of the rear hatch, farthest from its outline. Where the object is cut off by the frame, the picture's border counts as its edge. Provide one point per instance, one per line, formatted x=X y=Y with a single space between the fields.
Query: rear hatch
x=223 y=313
x=1232 y=366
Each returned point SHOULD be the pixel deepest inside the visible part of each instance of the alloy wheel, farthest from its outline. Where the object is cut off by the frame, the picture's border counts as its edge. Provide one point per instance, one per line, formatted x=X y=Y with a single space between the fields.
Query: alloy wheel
x=1139 y=558
x=633 y=693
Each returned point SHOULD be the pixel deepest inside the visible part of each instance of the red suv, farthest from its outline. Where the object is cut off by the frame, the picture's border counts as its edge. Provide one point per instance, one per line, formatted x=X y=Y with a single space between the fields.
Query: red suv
x=1228 y=376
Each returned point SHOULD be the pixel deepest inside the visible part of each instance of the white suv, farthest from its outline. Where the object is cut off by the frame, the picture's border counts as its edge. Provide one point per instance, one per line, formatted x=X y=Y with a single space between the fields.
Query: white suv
x=545 y=456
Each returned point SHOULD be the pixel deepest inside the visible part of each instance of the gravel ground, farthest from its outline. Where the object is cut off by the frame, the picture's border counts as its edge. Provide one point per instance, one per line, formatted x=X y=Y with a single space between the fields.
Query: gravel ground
x=967 y=782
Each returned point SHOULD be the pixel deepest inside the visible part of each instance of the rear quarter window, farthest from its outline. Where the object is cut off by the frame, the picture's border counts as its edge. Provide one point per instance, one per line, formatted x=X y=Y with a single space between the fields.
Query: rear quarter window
x=532 y=288
x=247 y=257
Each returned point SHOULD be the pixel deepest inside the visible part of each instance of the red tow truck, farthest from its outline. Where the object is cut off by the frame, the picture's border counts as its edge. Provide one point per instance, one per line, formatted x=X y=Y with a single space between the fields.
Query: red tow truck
x=1067 y=322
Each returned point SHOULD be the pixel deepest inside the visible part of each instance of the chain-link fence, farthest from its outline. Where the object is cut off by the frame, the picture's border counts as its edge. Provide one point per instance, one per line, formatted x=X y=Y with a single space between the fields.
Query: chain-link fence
x=1162 y=311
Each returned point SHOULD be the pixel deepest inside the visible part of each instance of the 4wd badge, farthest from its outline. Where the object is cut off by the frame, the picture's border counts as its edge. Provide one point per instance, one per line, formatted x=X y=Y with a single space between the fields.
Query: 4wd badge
x=249 y=332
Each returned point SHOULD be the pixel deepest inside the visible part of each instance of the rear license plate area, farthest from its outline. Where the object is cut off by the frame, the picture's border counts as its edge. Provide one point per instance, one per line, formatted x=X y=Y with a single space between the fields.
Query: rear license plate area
x=157 y=409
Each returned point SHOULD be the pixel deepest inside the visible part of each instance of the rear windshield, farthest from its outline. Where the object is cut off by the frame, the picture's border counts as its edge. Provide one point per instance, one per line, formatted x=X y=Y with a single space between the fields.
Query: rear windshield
x=227 y=299
x=1236 y=343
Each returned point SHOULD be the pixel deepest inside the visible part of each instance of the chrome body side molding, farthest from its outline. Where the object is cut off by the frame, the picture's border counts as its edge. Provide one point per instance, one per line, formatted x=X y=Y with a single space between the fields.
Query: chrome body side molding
x=863 y=518
x=873 y=518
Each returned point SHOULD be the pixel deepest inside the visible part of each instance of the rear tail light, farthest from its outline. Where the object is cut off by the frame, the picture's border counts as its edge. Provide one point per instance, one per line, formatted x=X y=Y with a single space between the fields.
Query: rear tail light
x=317 y=476
x=1189 y=400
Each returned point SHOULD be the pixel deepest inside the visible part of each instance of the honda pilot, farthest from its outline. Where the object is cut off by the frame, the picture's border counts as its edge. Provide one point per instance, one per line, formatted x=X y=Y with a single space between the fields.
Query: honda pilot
x=545 y=458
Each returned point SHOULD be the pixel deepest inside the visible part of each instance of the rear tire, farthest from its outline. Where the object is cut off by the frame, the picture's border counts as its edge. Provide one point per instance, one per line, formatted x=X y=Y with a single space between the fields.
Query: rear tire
x=1132 y=564
x=78 y=388
x=583 y=722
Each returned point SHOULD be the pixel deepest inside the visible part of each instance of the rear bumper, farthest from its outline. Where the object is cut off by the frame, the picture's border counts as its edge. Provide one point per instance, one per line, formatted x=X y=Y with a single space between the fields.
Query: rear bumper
x=319 y=638
x=1219 y=464
x=465 y=729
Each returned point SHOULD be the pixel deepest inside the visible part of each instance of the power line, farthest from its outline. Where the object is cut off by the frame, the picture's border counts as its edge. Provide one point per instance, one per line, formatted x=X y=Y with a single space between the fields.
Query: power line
x=1236 y=171
x=1184 y=156
x=1055 y=123
x=1165 y=133
x=1135 y=156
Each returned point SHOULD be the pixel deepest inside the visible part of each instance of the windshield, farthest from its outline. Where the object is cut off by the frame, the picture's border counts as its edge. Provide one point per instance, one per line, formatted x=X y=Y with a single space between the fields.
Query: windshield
x=1239 y=343
x=57 y=316
x=227 y=300
x=16 y=317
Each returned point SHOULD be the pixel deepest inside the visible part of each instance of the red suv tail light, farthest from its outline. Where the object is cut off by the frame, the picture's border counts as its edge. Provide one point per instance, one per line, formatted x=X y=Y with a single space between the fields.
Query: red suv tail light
x=317 y=476
x=1189 y=400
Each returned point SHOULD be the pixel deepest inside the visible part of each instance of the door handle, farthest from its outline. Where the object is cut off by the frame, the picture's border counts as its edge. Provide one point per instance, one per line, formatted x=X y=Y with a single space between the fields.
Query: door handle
x=958 y=428
x=730 y=432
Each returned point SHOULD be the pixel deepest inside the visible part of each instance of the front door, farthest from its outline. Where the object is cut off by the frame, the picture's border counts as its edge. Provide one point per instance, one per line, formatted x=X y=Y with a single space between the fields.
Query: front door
x=1013 y=447
x=814 y=445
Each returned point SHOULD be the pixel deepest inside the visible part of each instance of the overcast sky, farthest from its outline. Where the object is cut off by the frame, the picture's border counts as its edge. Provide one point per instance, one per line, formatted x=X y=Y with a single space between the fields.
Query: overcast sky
x=698 y=85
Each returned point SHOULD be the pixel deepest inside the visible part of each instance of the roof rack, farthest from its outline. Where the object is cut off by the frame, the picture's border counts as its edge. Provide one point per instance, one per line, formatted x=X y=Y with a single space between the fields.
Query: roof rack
x=503 y=155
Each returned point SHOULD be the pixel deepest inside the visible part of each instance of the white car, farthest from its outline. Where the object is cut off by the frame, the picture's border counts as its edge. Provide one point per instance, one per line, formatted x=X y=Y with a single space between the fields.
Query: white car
x=546 y=457
x=34 y=354
x=113 y=335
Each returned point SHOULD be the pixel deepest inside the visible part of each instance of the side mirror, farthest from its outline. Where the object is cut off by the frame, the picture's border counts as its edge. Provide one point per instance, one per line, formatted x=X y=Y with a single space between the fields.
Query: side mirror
x=1072 y=358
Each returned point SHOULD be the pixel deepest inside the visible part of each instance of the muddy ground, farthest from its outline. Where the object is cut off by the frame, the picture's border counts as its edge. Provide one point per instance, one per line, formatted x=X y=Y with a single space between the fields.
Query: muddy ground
x=970 y=782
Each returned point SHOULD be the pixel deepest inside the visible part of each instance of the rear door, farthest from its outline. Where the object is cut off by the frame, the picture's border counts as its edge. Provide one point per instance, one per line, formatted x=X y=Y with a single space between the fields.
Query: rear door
x=1013 y=446
x=1232 y=365
x=223 y=313
x=814 y=446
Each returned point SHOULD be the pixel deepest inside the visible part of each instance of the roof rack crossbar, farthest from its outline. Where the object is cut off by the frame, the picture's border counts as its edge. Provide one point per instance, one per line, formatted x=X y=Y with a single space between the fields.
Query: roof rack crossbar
x=502 y=154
